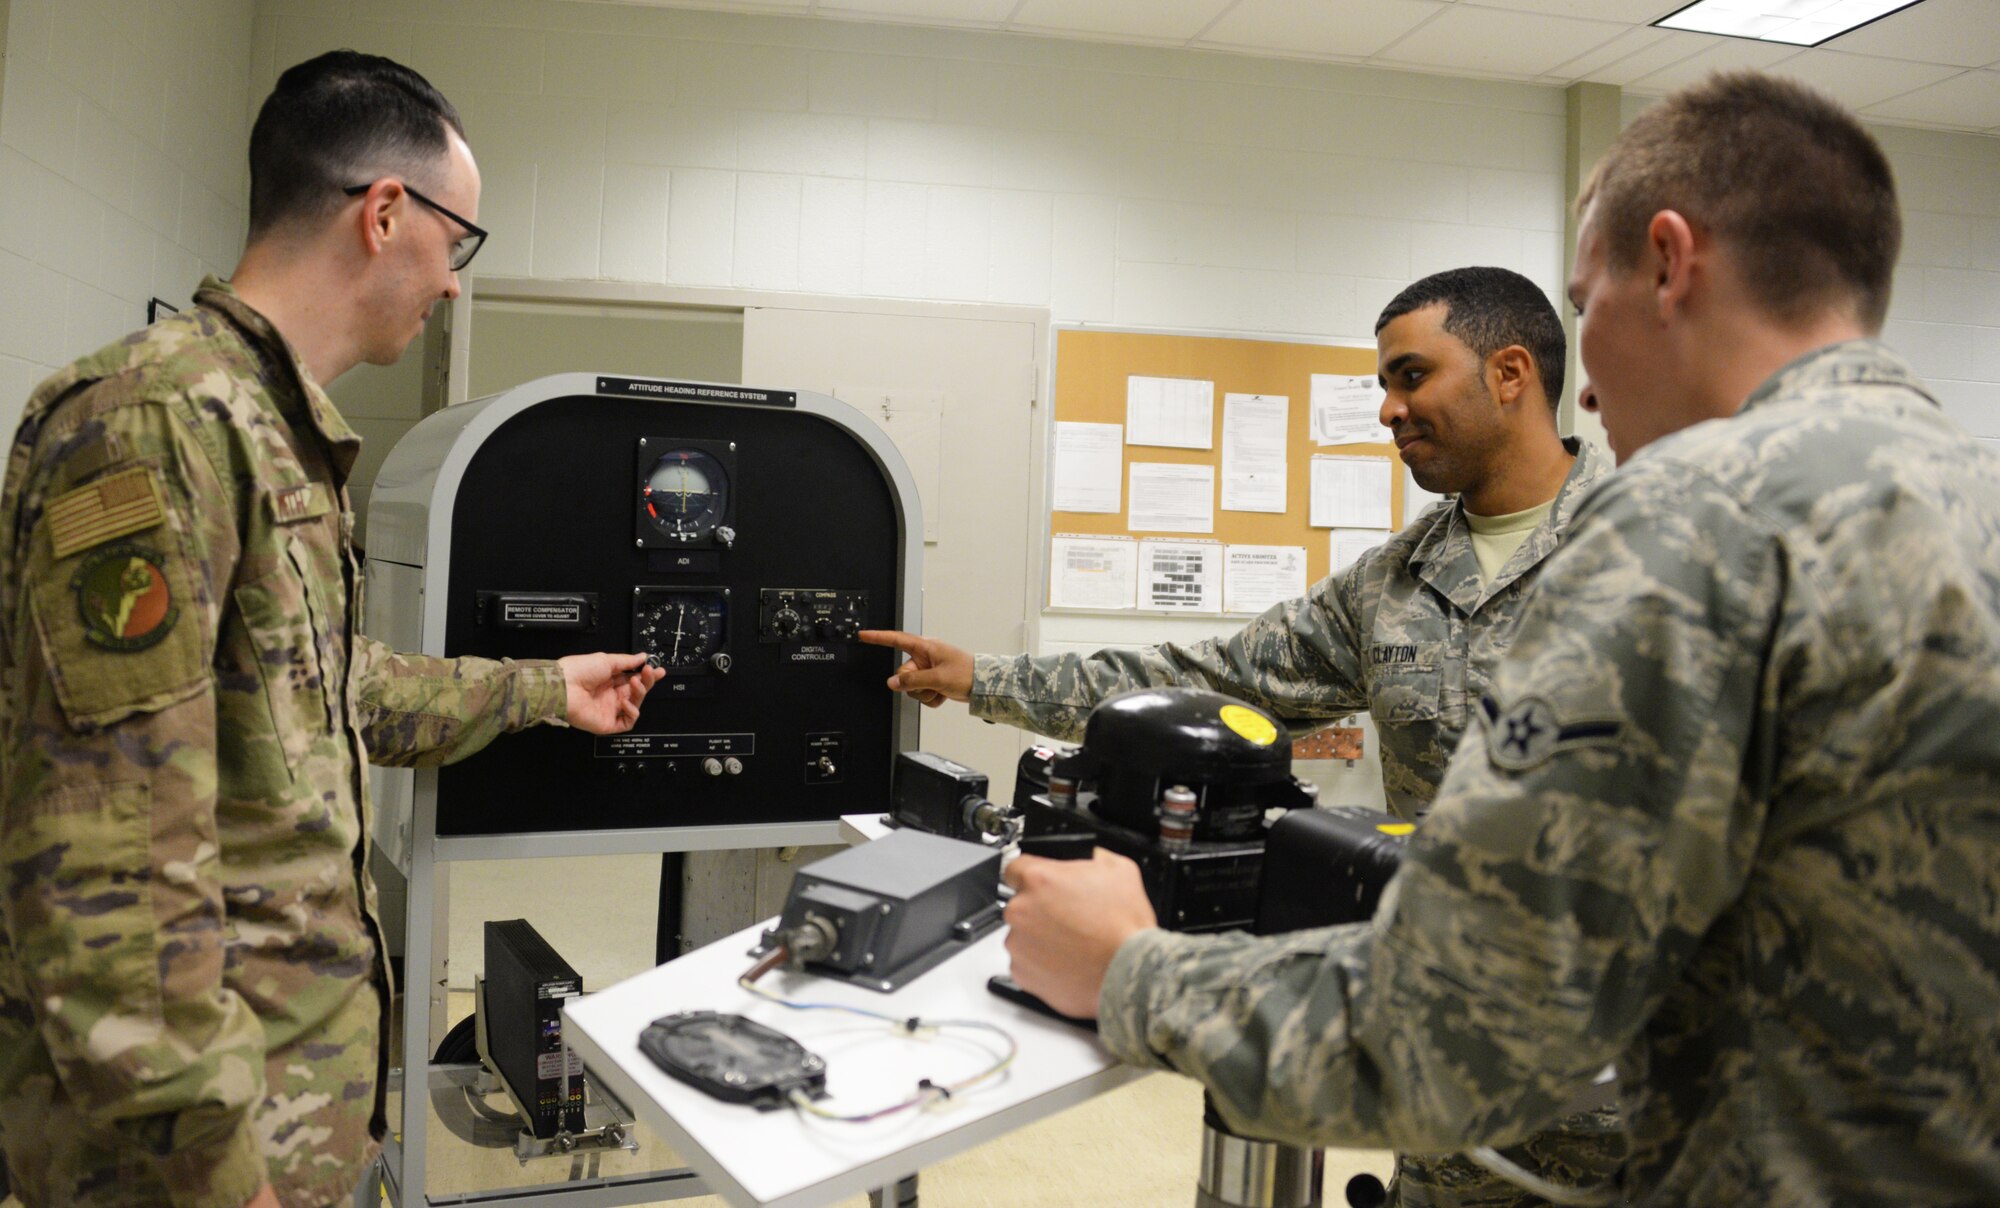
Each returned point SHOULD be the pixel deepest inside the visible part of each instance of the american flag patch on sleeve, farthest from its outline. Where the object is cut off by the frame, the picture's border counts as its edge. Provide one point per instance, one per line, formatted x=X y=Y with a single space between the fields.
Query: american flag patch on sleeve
x=96 y=512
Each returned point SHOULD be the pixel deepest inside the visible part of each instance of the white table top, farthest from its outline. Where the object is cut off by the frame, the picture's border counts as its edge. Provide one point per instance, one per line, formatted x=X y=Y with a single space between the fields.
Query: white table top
x=856 y=829
x=785 y=1160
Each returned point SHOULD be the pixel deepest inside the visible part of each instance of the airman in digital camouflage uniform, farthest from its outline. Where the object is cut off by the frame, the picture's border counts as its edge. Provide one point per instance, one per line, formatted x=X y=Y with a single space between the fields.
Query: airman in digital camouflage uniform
x=192 y=984
x=1471 y=365
x=1731 y=814
x=1471 y=368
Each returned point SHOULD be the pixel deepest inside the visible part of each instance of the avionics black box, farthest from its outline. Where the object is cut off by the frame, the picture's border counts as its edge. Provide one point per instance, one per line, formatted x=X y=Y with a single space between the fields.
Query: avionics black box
x=526 y=985
x=898 y=906
x=930 y=793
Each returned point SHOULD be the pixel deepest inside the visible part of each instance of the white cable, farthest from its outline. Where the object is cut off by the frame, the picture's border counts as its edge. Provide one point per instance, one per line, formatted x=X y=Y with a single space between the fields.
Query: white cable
x=1555 y=1193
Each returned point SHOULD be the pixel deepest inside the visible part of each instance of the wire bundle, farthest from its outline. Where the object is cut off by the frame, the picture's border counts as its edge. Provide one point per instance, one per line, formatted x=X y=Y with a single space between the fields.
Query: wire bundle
x=928 y=1092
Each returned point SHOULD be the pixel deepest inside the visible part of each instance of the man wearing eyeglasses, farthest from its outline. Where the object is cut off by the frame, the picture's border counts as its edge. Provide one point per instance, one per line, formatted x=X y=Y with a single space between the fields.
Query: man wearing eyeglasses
x=192 y=984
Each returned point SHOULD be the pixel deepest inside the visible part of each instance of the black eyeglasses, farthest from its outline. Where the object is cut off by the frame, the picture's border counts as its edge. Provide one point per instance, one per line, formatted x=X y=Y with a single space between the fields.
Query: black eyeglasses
x=463 y=249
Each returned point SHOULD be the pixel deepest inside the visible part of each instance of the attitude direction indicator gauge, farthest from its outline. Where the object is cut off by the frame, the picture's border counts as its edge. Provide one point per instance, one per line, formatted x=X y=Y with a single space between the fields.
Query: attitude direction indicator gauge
x=685 y=494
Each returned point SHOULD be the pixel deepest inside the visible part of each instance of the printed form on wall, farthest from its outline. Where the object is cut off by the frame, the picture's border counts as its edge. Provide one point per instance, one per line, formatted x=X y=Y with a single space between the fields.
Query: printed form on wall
x=1172 y=497
x=1087 y=459
x=1253 y=452
x=1180 y=575
x=1415 y=498
x=1177 y=413
x=1092 y=572
x=1254 y=577
x=1346 y=409
x=1343 y=546
x=1350 y=492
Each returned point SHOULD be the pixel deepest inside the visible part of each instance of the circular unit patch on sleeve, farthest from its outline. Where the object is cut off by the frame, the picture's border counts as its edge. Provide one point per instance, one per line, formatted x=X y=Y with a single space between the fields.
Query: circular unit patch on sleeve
x=123 y=598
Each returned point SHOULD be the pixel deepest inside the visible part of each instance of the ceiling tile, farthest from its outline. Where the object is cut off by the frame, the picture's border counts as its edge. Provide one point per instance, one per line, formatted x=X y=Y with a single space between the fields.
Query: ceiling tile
x=1969 y=101
x=1859 y=81
x=1501 y=43
x=1725 y=54
x=1670 y=49
x=1152 y=20
x=952 y=12
x=786 y=7
x=1624 y=46
x=1314 y=27
x=1961 y=32
x=1637 y=12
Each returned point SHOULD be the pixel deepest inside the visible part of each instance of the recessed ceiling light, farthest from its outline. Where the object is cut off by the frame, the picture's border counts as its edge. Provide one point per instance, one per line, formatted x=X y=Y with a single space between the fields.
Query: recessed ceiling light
x=1797 y=22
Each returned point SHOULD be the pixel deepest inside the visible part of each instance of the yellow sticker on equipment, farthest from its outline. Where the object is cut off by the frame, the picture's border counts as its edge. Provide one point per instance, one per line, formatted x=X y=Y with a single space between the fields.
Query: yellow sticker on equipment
x=1250 y=724
x=1398 y=828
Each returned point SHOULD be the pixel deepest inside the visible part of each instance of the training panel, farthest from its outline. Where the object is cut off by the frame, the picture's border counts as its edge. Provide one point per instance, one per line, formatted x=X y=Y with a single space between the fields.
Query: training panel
x=740 y=537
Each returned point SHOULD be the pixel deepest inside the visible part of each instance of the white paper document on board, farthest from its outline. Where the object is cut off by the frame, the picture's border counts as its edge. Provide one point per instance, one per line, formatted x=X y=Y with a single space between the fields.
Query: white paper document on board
x=1350 y=492
x=1346 y=409
x=1168 y=497
x=1178 y=413
x=1343 y=546
x=1088 y=460
x=1253 y=452
x=1180 y=575
x=1415 y=498
x=1092 y=572
x=1254 y=577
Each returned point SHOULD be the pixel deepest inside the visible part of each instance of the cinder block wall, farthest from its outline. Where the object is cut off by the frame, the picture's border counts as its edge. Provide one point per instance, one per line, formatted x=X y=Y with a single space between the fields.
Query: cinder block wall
x=123 y=128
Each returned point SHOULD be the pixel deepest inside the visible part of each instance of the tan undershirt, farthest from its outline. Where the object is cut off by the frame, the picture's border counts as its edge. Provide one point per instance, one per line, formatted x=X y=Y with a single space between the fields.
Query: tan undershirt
x=1495 y=538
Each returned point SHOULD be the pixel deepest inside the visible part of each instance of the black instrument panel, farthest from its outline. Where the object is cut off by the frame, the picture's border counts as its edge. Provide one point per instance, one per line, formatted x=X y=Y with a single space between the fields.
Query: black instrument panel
x=677 y=522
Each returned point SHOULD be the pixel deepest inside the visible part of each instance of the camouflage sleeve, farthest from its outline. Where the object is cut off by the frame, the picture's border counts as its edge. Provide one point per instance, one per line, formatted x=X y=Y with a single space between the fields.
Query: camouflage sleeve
x=108 y=842
x=1587 y=834
x=420 y=711
x=1301 y=660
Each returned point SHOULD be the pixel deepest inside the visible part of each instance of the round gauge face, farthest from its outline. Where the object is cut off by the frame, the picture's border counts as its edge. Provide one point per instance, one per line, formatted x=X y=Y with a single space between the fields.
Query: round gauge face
x=685 y=494
x=680 y=631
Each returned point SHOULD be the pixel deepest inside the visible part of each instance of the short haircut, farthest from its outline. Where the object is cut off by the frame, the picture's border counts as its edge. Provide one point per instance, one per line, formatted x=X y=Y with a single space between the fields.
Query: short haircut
x=342 y=119
x=1488 y=309
x=1788 y=179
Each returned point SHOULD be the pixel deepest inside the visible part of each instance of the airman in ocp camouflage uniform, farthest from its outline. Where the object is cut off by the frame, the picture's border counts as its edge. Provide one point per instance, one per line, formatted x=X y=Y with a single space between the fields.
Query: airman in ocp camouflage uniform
x=1410 y=632
x=1730 y=817
x=191 y=962
x=193 y=994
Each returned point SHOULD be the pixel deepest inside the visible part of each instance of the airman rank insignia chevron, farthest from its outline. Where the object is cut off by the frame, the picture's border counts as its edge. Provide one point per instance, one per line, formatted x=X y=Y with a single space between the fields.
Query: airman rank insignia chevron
x=100 y=511
x=123 y=598
x=293 y=504
x=1525 y=735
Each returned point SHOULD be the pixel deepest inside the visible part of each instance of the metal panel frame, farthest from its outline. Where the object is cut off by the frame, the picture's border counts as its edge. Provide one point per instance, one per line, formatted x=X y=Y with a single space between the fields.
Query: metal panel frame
x=410 y=522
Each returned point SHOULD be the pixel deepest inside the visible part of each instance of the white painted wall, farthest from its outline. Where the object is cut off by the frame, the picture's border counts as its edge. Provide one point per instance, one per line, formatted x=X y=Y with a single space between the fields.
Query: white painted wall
x=1945 y=313
x=1111 y=184
x=123 y=131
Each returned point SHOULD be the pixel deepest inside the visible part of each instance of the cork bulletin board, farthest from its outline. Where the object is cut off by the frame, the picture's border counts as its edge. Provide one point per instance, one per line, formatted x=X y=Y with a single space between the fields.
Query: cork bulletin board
x=1092 y=370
